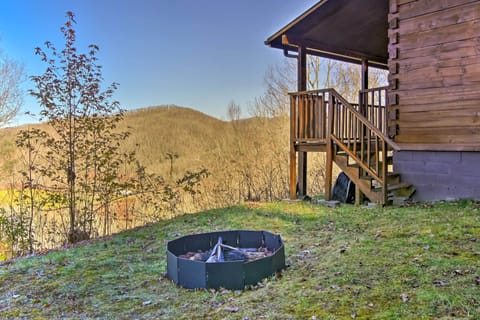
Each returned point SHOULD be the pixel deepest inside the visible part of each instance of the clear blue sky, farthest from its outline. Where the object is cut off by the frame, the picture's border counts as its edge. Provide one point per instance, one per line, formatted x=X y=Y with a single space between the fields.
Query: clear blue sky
x=194 y=53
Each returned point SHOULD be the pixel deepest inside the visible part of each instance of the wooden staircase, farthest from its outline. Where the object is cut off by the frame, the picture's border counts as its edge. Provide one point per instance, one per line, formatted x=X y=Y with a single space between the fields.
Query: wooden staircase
x=397 y=192
x=364 y=152
x=355 y=139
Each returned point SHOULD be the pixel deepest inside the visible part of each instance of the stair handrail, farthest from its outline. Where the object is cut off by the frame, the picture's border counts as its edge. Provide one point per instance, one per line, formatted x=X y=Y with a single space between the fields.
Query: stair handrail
x=364 y=130
x=364 y=120
x=372 y=103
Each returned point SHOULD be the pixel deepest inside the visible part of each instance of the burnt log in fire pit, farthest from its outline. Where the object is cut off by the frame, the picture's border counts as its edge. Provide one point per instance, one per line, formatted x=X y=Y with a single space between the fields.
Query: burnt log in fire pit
x=224 y=259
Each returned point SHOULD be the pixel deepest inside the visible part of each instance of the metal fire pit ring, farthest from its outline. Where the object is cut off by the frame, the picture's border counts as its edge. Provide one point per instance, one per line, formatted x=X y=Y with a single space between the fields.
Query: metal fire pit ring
x=232 y=275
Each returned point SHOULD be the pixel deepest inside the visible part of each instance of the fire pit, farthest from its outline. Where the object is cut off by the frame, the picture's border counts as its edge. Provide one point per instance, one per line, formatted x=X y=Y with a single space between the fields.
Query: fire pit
x=226 y=259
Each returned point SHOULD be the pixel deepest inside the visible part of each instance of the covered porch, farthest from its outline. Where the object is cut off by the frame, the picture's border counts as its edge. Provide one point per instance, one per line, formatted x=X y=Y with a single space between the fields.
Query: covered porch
x=355 y=136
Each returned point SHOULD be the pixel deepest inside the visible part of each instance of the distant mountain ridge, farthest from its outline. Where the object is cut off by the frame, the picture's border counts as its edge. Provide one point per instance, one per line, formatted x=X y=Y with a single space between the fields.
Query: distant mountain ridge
x=155 y=131
x=247 y=159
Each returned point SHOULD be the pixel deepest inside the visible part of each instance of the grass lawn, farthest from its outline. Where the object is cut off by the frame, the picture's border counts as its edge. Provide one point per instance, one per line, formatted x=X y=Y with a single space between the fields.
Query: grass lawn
x=419 y=262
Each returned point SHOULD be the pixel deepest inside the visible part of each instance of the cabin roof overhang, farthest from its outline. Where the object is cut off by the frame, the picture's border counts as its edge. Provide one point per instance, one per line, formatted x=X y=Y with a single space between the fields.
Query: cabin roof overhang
x=347 y=30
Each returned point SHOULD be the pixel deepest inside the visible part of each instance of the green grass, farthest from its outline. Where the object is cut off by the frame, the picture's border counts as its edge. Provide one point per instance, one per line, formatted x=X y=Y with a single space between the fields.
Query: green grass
x=419 y=262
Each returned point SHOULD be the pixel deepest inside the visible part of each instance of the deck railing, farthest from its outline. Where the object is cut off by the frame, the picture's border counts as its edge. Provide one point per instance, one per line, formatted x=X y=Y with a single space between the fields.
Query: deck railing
x=373 y=105
x=308 y=112
x=360 y=139
x=308 y=116
x=324 y=116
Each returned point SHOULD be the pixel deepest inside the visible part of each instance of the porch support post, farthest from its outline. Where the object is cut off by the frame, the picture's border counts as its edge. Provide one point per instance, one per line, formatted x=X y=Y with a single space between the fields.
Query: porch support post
x=329 y=160
x=293 y=152
x=362 y=102
x=364 y=85
x=302 y=86
x=364 y=74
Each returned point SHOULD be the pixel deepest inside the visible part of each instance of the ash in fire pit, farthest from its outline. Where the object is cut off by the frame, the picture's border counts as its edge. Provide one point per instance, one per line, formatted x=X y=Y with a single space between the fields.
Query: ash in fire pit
x=223 y=252
x=228 y=259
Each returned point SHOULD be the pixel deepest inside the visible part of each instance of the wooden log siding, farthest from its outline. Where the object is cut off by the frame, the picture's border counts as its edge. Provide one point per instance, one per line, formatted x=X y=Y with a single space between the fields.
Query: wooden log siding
x=434 y=49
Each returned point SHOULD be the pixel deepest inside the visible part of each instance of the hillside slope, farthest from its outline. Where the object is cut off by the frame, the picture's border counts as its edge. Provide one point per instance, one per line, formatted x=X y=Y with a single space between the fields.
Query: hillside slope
x=155 y=131
x=188 y=133
x=247 y=159
x=386 y=263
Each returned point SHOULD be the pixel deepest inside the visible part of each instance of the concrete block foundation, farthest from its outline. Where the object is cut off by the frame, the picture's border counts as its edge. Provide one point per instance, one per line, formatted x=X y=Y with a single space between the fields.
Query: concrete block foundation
x=440 y=175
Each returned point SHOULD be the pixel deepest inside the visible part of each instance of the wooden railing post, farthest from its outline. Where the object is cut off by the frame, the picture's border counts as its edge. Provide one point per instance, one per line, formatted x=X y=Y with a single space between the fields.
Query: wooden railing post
x=372 y=105
x=384 y=172
x=293 y=153
x=329 y=164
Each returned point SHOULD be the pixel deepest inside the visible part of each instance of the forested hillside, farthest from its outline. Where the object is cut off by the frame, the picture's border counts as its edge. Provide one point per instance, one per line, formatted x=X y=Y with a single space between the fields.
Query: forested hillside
x=246 y=155
x=246 y=160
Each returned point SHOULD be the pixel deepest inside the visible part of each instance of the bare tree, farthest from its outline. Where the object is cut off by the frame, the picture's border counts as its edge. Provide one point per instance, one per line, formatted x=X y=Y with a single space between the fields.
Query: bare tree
x=11 y=95
x=234 y=111
x=279 y=80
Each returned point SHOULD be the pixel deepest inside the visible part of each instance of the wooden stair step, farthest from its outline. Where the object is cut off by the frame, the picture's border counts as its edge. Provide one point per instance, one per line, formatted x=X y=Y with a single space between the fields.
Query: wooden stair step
x=402 y=189
x=393 y=178
x=397 y=191
x=397 y=186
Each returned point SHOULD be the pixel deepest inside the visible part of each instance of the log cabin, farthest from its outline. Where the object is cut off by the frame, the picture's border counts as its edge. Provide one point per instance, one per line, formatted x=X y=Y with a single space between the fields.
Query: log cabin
x=418 y=137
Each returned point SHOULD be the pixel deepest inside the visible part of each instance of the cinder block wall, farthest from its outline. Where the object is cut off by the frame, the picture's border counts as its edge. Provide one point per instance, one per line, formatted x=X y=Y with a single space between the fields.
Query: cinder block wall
x=440 y=175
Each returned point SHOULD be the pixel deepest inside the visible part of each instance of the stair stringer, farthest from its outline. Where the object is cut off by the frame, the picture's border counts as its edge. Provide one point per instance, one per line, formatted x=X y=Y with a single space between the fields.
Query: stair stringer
x=353 y=173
